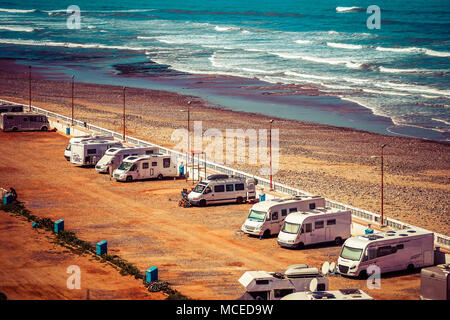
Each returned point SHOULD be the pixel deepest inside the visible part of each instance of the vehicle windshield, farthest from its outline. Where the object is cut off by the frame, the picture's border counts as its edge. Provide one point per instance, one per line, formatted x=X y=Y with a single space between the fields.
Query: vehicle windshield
x=68 y=147
x=199 y=188
x=257 y=215
x=351 y=253
x=106 y=159
x=125 y=166
x=290 y=227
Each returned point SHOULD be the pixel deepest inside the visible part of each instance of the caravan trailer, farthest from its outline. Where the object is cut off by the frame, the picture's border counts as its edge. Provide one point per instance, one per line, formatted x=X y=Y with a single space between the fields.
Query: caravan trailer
x=114 y=157
x=266 y=218
x=221 y=188
x=86 y=153
x=7 y=107
x=146 y=167
x=78 y=139
x=315 y=226
x=389 y=251
x=23 y=121
x=263 y=285
x=341 y=294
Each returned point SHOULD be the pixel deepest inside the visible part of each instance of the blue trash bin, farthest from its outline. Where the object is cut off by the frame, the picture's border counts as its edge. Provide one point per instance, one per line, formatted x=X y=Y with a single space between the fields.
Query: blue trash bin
x=68 y=131
x=102 y=247
x=59 y=225
x=262 y=197
x=151 y=274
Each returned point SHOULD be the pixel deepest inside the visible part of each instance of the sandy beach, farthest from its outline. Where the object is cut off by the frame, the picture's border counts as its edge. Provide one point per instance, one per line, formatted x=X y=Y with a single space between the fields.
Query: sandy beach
x=330 y=161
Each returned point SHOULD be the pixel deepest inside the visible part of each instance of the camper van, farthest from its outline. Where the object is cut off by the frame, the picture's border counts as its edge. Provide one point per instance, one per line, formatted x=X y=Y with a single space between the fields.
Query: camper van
x=114 y=157
x=145 y=167
x=315 y=226
x=221 y=188
x=87 y=153
x=7 y=107
x=78 y=139
x=263 y=285
x=266 y=217
x=389 y=251
x=341 y=294
x=23 y=121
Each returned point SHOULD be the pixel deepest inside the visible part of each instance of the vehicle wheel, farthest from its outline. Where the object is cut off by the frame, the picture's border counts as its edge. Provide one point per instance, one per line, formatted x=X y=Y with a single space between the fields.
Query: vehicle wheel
x=15 y=129
x=338 y=241
x=129 y=178
x=239 y=200
x=300 y=245
x=160 y=176
x=363 y=275
x=266 y=234
x=202 y=203
x=44 y=128
x=410 y=268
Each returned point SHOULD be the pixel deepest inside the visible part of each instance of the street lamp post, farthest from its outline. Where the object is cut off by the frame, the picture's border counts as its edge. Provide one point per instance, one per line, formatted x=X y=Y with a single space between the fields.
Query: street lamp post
x=382 y=183
x=73 y=77
x=188 y=137
x=124 y=113
x=270 y=151
x=29 y=87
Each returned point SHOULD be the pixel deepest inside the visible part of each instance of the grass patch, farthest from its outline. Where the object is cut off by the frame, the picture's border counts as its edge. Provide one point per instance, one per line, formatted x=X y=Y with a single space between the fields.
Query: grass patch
x=70 y=240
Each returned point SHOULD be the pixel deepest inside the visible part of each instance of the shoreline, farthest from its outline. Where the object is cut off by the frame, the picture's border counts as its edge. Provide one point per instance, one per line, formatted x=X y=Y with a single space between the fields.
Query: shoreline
x=323 y=159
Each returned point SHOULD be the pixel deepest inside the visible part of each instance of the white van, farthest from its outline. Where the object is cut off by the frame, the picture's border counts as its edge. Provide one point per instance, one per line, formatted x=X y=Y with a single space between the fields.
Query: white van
x=266 y=217
x=390 y=251
x=315 y=226
x=6 y=107
x=23 y=121
x=68 y=151
x=263 y=285
x=89 y=152
x=145 y=167
x=221 y=188
x=114 y=157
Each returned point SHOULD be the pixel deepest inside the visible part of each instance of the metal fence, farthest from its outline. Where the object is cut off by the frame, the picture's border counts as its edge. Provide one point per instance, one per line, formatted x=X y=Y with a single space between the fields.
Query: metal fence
x=441 y=240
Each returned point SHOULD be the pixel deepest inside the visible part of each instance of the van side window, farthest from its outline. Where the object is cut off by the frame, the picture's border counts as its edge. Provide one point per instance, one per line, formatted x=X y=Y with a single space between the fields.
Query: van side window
x=25 y=119
x=274 y=215
x=154 y=164
x=145 y=165
x=372 y=253
x=33 y=118
x=331 y=222
x=239 y=187
x=283 y=212
x=230 y=187
x=386 y=250
x=9 y=117
x=318 y=224
x=166 y=162
x=292 y=210
x=3 y=110
x=280 y=293
x=219 y=188
x=308 y=227
x=133 y=167
x=400 y=246
x=312 y=206
x=91 y=151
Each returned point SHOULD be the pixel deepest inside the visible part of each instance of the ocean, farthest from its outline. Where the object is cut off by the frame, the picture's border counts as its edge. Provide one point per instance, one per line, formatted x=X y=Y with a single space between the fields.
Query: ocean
x=393 y=80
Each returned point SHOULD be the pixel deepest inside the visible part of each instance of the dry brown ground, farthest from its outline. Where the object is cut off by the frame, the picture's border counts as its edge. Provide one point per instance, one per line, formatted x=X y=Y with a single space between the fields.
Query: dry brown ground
x=330 y=161
x=195 y=249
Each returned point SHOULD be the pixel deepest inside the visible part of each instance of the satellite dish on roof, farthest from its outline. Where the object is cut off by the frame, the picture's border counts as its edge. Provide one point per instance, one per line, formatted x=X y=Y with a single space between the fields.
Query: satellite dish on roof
x=325 y=267
x=332 y=267
x=313 y=285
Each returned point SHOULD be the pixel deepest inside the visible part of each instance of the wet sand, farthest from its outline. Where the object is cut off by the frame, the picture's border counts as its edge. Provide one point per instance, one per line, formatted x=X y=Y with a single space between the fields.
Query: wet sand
x=330 y=161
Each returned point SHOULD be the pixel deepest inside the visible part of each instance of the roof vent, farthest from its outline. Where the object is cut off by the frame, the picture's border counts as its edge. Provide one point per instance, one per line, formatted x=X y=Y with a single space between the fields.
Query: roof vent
x=403 y=235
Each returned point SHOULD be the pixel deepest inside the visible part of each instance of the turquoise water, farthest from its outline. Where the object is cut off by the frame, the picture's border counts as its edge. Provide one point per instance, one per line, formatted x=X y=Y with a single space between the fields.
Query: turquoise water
x=400 y=71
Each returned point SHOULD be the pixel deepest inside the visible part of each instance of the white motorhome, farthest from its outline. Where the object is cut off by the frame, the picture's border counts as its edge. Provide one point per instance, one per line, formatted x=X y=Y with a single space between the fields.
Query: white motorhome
x=341 y=294
x=68 y=151
x=114 y=157
x=221 y=188
x=7 y=107
x=266 y=217
x=87 y=153
x=315 y=226
x=389 y=251
x=146 y=167
x=23 y=121
x=263 y=285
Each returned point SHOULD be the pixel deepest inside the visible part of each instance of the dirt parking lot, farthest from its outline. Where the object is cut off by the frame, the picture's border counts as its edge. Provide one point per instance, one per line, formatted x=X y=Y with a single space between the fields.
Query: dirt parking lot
x=195 y=249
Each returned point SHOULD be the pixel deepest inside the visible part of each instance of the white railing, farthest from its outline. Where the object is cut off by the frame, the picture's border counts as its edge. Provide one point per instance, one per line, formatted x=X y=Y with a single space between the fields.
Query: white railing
x=441 y=240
